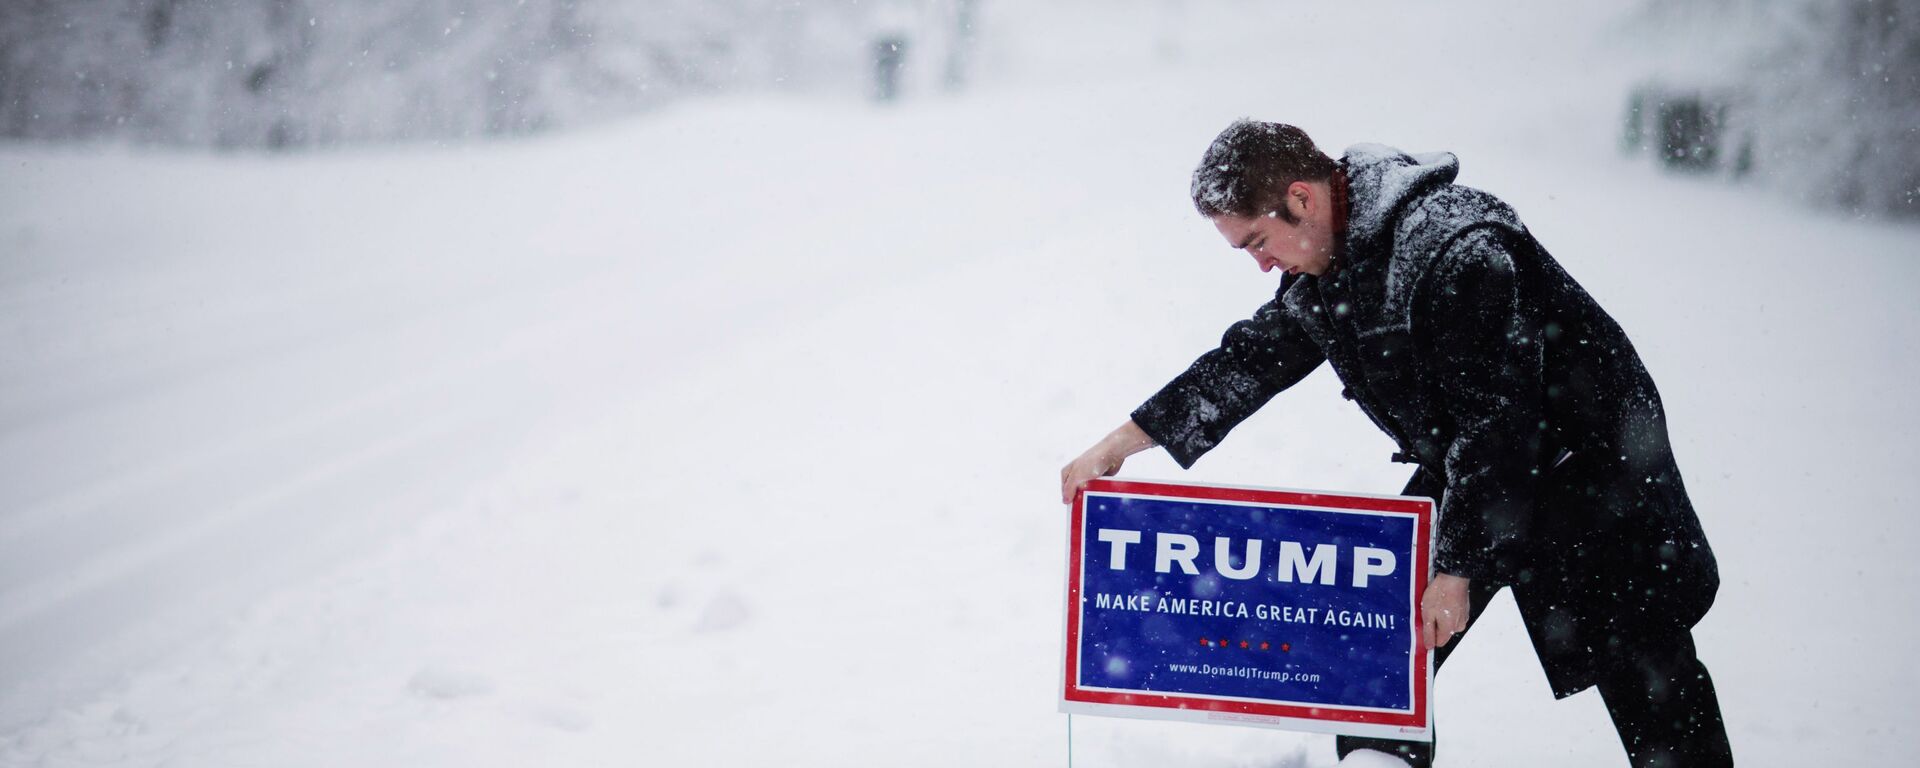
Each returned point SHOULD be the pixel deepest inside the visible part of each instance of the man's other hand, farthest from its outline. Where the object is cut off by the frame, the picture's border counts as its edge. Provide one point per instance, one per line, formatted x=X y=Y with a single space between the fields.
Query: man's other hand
x=1443 y=610
x=1103 y=459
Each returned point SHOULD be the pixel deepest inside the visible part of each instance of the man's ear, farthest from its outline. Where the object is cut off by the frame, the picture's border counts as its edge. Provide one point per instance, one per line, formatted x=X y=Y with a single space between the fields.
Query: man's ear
x=1299 y=197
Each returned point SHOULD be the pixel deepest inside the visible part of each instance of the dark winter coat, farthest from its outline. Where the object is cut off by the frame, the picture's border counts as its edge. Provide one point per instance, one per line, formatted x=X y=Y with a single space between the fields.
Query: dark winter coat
x=1528 y=412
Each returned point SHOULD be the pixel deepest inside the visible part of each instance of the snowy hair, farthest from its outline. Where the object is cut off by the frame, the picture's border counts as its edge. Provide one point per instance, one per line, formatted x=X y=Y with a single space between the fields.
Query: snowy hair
x=1250 y=164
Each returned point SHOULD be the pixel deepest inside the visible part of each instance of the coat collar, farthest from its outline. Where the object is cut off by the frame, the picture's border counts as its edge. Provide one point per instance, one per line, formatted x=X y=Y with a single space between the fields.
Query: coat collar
x=1380 y=182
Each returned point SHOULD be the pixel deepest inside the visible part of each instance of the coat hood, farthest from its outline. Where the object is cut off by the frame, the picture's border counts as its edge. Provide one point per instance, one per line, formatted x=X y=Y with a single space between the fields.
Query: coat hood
x=1381 y=179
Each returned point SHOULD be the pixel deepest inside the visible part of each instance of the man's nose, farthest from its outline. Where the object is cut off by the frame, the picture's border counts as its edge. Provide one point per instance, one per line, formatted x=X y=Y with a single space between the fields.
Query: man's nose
x=1266 y=265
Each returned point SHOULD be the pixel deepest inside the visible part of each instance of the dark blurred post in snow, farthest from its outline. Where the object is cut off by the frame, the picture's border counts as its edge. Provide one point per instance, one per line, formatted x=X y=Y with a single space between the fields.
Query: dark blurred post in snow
x=889 y=53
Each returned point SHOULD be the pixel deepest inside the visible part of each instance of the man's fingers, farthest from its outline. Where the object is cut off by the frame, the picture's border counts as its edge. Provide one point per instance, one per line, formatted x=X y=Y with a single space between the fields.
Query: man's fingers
x=1439 y=626
x=1078 y=473
x=1449 y=625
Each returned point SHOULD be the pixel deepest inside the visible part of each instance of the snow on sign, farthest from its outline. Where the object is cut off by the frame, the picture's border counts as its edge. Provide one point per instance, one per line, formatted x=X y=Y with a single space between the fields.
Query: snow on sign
x=1285 y=609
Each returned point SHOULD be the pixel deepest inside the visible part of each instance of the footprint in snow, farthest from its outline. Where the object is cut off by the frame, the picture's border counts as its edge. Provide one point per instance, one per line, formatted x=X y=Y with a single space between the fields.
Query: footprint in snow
x=725 y=611
x=444 y=683
x=561 y=718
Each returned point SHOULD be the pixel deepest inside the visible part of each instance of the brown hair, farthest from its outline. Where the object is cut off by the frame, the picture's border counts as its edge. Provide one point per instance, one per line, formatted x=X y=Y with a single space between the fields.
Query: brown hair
x=1251 y=164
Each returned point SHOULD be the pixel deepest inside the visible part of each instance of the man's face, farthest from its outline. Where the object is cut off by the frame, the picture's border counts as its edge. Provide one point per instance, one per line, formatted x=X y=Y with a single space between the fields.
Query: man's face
x=1305 y=247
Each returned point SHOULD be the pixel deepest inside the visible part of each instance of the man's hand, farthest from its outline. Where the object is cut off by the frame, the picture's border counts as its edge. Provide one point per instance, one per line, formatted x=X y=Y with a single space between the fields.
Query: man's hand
x=1103 y=459
x=1443 y=610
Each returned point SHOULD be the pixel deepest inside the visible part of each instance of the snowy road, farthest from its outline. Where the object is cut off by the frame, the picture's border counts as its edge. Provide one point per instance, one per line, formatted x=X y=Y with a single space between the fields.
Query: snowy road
x=611 y=447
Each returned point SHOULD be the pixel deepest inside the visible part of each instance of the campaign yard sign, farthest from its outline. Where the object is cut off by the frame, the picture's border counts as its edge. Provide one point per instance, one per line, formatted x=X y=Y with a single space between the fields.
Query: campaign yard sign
x=1249 y=606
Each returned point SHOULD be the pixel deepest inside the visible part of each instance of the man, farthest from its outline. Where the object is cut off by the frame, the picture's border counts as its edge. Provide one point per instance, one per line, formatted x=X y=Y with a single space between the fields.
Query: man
x=1520 y=401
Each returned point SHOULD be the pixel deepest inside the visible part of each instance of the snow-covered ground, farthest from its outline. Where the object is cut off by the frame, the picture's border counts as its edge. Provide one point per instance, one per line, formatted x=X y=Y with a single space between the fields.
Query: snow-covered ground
x=729 y=435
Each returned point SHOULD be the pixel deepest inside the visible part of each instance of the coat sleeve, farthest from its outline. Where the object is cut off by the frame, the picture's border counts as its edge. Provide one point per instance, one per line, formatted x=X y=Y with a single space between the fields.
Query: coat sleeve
x=1487 y=364
x=1257 y=358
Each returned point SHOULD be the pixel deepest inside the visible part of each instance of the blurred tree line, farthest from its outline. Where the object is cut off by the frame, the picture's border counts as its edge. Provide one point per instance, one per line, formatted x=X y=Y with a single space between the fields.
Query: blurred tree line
x=1819 y=97
x=286 y=74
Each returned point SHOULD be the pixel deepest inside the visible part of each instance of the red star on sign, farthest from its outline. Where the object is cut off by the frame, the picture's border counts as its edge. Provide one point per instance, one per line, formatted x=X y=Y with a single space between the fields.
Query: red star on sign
x=1286 y=647
x=1243 y=643
x=1263 y=645
x=1206 y=642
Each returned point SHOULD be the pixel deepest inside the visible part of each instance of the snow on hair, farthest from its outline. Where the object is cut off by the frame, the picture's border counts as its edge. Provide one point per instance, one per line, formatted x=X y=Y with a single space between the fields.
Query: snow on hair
x=1250 y=163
